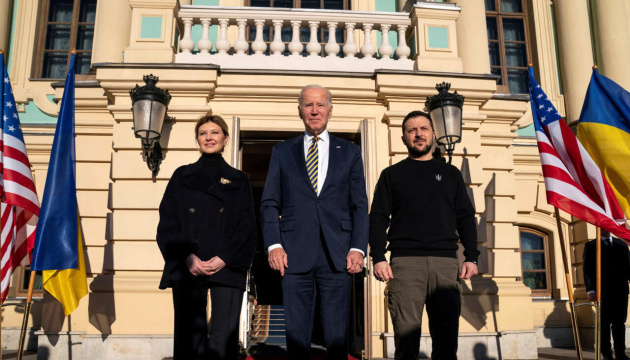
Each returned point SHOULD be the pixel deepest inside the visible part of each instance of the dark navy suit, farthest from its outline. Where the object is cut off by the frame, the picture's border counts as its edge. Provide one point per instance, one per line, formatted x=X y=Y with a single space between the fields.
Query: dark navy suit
x=317 y=233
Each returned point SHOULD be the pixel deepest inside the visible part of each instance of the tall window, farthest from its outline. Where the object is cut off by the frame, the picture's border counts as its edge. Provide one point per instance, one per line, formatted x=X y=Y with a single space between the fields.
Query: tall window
x=535 y=261
x=506 y=22
x=23 y=277
x=305 y=35
x=65 y=25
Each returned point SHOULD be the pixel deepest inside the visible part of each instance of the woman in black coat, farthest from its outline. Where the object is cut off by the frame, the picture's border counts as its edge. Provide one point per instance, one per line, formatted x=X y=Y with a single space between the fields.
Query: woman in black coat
x=207 y=236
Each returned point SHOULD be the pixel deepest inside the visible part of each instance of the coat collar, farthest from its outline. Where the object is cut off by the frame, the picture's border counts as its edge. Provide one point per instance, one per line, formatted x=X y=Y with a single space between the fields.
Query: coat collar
x=196 y=177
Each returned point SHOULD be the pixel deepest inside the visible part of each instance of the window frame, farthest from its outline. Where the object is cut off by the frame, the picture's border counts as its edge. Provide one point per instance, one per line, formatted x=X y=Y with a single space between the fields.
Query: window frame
x=19 y=281
x=499 y=15
x=547 y=255
x=41 y=50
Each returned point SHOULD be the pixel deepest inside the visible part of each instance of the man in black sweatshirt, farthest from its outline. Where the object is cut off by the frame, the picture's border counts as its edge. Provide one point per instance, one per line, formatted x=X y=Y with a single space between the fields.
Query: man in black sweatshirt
x=430 y=210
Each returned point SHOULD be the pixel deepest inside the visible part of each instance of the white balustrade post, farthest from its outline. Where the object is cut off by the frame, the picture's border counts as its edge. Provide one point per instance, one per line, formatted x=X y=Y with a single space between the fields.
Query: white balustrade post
x=313 y=47
x=187 y=44
x=259 y=45
x=204 y=44
x=350 y=48
x=402 y=51
x=295 y=46
x=367 y=50
x=240 y=45
x=277 y=46
x=332 y=48
x=223 y=45
x=386 y=50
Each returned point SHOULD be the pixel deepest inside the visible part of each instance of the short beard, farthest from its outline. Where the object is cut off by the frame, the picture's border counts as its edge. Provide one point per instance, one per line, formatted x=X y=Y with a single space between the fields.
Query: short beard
x=414 y=153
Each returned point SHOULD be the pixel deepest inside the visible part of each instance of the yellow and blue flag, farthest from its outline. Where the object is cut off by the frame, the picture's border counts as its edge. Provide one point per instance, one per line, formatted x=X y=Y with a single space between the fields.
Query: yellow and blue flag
x=604 y=131
x=58 y=251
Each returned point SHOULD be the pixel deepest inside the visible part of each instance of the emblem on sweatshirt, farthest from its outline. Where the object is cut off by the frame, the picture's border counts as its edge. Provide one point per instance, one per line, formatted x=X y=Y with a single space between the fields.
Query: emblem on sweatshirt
x=225 y=181
x=438 y=177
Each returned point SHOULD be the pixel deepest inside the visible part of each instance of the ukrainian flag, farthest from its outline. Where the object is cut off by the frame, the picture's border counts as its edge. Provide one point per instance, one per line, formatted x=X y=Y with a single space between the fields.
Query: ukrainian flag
x=604 y=130
x=58 y=248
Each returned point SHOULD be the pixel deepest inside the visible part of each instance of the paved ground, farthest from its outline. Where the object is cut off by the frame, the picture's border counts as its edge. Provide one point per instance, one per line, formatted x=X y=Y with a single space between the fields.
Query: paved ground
x=543 y=354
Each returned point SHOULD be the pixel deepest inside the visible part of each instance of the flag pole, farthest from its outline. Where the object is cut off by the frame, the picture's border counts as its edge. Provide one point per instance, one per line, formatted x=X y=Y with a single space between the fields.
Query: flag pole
x=598 y=291
x=27 y=311
x=1 y=53
x=574 y=325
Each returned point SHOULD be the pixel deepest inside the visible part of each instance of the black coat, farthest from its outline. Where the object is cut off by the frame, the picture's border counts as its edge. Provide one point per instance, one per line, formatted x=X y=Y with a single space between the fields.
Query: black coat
x=615 y=268
x=207 y=216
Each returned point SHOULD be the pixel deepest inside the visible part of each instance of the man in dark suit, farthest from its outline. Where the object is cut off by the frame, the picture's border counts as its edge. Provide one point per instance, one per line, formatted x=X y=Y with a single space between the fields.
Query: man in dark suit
x=615 y=275
x=315 y=225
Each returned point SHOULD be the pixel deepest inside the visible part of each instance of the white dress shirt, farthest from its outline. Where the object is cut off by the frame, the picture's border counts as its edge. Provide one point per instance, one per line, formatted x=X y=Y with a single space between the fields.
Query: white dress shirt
x=323 y=149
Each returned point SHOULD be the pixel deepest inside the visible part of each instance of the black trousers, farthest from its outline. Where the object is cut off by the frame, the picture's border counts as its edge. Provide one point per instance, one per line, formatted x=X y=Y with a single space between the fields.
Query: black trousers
x=300 y=292
x=192 y=340
x=614 y=313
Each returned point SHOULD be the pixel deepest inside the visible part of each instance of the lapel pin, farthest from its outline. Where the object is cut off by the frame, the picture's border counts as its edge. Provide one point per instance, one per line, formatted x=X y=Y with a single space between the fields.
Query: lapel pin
x=191 y=210
x=225 y=181
x=338 y=147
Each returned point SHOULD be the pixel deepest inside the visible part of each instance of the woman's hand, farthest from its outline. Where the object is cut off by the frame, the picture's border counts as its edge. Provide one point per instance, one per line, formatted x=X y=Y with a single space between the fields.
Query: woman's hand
x=214 y=265
x=196 y=266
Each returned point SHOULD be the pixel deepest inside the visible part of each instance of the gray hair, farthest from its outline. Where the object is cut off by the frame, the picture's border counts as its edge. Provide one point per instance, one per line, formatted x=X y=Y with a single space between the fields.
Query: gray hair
x=314 y=86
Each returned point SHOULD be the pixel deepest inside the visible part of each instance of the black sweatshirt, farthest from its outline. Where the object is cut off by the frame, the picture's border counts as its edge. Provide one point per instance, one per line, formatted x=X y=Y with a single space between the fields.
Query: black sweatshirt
x=429 y=207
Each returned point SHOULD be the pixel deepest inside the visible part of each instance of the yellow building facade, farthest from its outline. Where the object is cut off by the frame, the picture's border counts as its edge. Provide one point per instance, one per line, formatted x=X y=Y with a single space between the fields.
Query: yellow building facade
x=246 y=60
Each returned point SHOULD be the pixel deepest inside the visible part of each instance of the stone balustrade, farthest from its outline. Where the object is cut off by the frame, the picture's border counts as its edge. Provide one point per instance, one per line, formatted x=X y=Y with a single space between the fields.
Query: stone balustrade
x=294 y=39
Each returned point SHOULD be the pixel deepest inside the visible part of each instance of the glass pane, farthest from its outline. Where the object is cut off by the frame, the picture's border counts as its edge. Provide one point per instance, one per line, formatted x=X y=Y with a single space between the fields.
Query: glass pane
x=333 y=4
x=83 y=63
x=533 y=261
x=491 y=26
x=517 y=80
x=535 y=281
x=58 y=37
x=283 y=4
x=311 y=4
x=55 y=65
x=60 y=11
x=88 y=11
x=37 y=285
x=490 y=5
x=515 y=55
x=531 y=241
x=497 y=71
x=513 y=30
x=260 y=3
x=495 y=55
x=513 y=6
x=85 y=35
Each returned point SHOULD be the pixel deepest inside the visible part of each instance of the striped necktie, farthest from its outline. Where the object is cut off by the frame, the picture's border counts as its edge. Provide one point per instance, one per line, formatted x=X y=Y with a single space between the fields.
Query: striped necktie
x=312 y=162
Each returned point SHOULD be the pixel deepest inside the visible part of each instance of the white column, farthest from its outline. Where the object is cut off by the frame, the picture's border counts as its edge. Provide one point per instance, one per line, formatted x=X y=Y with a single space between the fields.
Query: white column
x=295 y=46
x=614 y=41
x=277 y=46
x=240 y=45
x=223 y=45
x=332 y=48
x=367 y=50
x=111 y=32
x=350 y=48
x=204 y=44
x=402 y=51
x=472 y=38
x=259 y=45
x=313 y=47
x=386 y=50
x=187 y=45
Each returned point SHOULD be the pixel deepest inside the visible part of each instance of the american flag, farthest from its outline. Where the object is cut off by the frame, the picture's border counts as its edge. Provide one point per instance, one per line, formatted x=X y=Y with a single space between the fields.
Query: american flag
x=573 y=181
x=20 y=206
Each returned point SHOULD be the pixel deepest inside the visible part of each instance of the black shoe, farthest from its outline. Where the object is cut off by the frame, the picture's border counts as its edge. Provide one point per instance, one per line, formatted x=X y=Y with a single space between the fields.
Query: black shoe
x=622 y=357
x=607 y=357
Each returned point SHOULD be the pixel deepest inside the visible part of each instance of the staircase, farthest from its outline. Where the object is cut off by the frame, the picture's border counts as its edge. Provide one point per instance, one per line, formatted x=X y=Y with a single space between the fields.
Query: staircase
x=268 y=326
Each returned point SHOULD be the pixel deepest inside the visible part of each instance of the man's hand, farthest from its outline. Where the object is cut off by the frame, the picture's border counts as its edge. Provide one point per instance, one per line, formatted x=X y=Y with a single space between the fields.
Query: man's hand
x=196 y=266
x=278 y=260
x=354 y=262
x=592 y=296
x=214 y=265
x=469 y=269
x=382 y=271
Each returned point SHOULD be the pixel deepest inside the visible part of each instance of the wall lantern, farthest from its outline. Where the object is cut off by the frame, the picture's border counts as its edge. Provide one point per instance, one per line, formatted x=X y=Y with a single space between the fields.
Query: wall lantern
x=446 y=111
x=149 y=104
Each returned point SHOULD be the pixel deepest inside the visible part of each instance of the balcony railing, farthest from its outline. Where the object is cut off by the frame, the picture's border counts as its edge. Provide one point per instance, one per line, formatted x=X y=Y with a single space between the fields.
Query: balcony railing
x=295 y=39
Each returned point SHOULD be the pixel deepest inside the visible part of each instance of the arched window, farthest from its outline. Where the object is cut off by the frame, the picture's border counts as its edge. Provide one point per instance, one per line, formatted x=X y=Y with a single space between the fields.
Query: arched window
x=534 y=248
